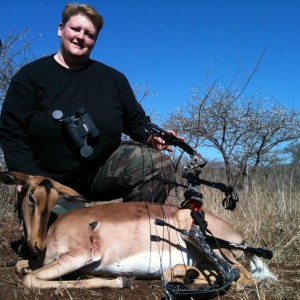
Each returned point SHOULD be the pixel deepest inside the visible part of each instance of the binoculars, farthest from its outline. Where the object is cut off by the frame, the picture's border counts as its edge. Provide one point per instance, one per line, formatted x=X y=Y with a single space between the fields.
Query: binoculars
x=78 y=128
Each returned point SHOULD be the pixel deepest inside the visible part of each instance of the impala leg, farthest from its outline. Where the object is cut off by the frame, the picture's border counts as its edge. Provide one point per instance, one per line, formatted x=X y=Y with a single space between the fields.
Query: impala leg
x=221 y=229
x=43 y=278
x=189 y=275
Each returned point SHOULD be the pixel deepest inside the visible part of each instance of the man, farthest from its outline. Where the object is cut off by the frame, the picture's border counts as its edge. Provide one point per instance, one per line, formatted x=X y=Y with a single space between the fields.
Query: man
x=36 y=142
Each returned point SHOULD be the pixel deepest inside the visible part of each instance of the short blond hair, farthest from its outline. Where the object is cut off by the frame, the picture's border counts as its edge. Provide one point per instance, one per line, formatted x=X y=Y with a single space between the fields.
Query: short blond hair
x=73 y=9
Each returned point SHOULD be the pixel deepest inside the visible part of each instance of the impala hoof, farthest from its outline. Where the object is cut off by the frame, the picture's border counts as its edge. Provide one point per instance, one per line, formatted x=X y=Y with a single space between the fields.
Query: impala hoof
x=126 y=282
x=22 y=267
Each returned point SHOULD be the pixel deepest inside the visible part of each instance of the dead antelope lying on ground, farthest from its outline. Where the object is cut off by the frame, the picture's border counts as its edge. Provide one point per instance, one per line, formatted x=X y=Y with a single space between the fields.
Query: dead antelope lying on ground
x=119 y=239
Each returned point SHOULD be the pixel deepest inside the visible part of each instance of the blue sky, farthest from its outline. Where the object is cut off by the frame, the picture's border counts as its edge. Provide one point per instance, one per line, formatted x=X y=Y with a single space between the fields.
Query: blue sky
x=177 y=44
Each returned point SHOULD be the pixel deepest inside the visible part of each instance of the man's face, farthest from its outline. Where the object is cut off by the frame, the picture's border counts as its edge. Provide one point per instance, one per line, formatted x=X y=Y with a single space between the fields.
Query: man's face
x=78 y=37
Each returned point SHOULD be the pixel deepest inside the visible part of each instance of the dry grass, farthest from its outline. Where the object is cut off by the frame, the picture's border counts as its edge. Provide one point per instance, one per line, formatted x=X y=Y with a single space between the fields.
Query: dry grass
x=7 y=203
x=268 y=216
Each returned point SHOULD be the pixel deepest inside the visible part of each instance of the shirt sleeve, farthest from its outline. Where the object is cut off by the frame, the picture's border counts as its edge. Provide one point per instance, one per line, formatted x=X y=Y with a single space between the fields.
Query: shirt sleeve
x=19 y=105
x=134 y=115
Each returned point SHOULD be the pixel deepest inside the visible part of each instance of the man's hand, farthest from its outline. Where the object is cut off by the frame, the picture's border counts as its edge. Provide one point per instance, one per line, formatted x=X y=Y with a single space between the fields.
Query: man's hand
x=160 y=144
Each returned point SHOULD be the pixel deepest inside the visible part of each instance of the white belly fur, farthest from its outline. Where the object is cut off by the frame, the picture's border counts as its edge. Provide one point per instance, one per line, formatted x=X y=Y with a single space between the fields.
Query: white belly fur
x=142 y=266
x=150 y=264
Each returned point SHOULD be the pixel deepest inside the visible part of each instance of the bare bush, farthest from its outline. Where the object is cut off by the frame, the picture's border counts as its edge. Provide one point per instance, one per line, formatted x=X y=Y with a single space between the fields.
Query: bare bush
x=15 y=52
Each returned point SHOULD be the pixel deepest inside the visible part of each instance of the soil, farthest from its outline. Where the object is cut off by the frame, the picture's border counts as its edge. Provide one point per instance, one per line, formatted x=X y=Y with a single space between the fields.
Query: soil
x=287 y=287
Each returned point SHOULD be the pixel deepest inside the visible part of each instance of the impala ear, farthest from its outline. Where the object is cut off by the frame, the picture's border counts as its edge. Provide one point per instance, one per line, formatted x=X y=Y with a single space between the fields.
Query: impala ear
x=11 y=178
x=68 y=193
x=74 y=197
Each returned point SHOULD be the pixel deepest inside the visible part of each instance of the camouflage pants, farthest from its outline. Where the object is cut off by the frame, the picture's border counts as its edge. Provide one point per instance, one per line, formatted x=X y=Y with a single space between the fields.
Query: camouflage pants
x=134 y=172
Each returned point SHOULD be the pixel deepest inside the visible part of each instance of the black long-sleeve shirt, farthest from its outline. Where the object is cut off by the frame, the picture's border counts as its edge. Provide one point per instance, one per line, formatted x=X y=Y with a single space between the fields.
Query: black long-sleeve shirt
x=33 y=142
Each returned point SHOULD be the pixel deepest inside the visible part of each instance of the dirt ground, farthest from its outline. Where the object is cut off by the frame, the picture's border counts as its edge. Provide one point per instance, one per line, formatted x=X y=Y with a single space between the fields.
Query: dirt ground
x=286 y=288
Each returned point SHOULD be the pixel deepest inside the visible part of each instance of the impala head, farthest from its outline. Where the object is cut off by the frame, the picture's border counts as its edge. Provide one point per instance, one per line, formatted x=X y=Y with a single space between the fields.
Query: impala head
x=37 y=198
